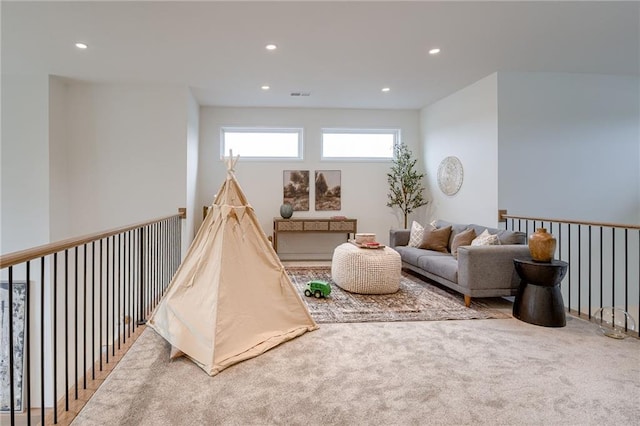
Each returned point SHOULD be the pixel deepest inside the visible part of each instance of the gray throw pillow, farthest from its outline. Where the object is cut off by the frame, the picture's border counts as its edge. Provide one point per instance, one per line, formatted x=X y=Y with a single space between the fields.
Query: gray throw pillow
x=512 y=237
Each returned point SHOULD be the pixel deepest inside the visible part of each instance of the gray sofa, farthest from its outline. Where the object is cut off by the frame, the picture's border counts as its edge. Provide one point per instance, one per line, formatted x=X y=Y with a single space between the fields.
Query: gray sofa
x=479 y=271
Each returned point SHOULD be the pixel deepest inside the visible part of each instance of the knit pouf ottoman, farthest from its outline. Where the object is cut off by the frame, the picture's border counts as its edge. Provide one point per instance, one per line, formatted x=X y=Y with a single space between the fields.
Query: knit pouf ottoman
x=366 y=271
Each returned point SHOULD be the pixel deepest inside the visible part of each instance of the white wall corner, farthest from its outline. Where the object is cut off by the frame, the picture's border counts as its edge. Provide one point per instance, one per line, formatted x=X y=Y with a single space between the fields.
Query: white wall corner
x=569 y=146
x=193 y=136
x=464 y=125
x=24 y=172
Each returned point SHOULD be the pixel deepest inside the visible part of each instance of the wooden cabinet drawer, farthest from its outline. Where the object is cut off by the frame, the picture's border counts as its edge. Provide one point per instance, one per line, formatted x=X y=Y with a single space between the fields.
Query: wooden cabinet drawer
x=289 y=226
x=343 y=226
x=316 y=226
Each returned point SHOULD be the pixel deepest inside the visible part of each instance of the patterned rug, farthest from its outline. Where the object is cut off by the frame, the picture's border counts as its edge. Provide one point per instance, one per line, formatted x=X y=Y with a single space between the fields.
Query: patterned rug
x=416 y=300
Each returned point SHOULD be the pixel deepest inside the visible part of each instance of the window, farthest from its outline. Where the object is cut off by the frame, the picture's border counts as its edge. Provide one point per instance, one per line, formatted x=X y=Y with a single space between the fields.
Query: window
x=357 y=144
x=261 y=143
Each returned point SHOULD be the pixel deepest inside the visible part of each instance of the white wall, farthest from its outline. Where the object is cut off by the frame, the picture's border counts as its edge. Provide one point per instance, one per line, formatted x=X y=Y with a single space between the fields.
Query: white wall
x=59 y=160
x=25 y=182
x=79 y=158
x=569 y=146
x=25 y=162
x=464 y=125
x=126 y=154
x=193 y=133
x=364 y=184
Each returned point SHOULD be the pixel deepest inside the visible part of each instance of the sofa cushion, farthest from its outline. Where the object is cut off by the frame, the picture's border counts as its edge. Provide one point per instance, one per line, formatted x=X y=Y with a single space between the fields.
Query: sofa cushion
x=443 y=266
x=411 y=255
x=486 y=239
x=463 y=238
x=436 y=239
x=417 y=232
x=441 y=223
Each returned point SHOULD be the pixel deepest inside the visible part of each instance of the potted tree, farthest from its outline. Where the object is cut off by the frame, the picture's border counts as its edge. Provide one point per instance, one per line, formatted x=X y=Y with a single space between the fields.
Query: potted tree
x=406 y=190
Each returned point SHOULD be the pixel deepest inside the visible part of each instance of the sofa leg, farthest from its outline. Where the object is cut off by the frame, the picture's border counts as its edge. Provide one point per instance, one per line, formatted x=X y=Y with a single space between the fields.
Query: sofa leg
x=467 y=300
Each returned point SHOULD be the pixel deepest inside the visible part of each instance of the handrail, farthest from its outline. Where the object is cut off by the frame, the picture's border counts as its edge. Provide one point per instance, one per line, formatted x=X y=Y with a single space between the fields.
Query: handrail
x=537 y=219
x=17 y=257
x=603 y=265
x=91 y=301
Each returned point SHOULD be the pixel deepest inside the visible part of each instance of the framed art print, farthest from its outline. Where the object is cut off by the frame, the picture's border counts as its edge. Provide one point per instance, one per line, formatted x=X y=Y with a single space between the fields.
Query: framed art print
x=328 y=190
x=295 y=189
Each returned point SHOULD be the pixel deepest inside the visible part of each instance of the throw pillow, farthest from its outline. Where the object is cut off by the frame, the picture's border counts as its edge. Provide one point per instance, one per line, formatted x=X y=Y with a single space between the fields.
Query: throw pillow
x=464 y=238
x=436 y=239
x=486 y=239
x=417 y=232
x=512 y=237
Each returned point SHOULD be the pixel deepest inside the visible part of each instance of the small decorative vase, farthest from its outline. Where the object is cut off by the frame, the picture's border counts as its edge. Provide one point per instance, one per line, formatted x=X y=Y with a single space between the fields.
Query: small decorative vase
x=542 y=245
x=286 y=210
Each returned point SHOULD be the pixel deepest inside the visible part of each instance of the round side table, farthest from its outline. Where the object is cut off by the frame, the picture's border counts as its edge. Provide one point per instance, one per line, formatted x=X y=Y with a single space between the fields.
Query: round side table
x=539 y=300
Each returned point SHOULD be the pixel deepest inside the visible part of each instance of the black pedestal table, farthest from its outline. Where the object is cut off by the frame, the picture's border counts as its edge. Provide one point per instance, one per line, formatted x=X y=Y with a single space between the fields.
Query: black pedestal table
x=539 y=300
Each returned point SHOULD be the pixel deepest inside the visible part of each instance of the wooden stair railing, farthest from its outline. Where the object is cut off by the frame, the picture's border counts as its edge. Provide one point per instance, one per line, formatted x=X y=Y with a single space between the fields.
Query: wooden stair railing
x=80 y=304
x=604 y=262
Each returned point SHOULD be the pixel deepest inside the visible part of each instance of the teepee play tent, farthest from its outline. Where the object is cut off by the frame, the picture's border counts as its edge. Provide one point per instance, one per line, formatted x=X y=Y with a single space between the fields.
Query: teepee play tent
x=231 y=299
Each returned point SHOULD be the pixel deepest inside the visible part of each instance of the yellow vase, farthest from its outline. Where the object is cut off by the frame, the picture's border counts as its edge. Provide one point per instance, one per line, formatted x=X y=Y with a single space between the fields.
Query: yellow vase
x=542 y=245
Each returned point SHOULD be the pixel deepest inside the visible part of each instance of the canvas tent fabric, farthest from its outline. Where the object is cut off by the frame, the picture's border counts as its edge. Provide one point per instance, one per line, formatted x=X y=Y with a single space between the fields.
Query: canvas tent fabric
x=231 y=298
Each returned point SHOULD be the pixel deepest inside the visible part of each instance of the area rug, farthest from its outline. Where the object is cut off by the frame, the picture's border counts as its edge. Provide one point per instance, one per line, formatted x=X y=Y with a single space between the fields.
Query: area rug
x=416 y=300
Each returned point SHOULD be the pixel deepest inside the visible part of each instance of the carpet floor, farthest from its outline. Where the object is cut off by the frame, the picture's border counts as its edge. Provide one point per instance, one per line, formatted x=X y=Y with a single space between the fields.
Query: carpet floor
x=416 y=300
x=481 y=372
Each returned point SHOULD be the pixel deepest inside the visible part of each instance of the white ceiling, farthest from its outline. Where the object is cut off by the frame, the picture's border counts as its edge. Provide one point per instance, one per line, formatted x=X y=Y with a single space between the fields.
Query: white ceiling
x=343 y=53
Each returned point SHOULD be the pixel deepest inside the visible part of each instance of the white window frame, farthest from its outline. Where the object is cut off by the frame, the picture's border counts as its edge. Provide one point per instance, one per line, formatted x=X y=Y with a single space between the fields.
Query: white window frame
x=295 y=130
x=378 y=131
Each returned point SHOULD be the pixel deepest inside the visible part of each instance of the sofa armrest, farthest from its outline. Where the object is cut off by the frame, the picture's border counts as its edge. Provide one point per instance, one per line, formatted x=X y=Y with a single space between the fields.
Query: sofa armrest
x=399 y=237
x=489 y=267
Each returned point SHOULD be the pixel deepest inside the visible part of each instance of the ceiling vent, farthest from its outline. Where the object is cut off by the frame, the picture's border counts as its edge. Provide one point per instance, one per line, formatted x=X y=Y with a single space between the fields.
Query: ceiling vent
x=300 y=93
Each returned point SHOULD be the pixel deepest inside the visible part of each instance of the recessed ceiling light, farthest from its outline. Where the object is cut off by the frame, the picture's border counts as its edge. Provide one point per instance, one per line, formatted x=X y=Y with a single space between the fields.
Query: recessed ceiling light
x=265 y=87
x=434 y=51
x=80 y=45
x=386 y=89
x=271 y=47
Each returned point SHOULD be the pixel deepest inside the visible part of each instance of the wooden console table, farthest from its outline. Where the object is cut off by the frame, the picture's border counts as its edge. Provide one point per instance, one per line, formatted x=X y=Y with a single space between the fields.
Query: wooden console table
x=313 y=224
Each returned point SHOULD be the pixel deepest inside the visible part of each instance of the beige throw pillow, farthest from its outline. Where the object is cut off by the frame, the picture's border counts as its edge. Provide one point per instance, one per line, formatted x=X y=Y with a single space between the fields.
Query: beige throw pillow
x=486 y=239
x=463 y=238
x=417 y=232
x=436 y=239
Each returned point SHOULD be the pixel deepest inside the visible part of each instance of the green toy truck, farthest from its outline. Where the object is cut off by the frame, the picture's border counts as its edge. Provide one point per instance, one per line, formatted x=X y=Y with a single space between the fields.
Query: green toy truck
x=318 y=289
